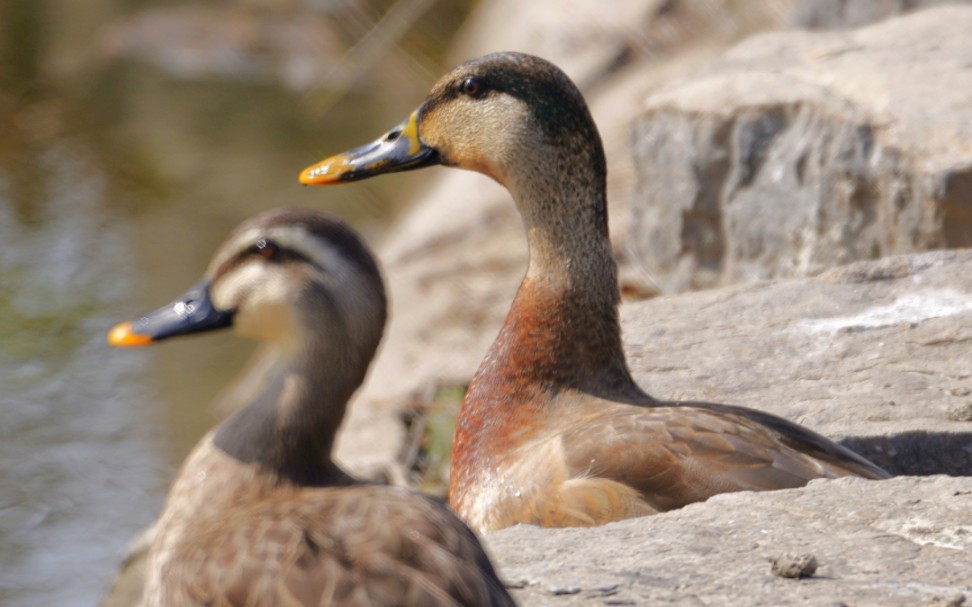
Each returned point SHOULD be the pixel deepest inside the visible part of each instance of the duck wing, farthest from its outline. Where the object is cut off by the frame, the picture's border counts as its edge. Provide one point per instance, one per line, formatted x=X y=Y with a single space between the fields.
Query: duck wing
x=674 y=455
x=844 y=461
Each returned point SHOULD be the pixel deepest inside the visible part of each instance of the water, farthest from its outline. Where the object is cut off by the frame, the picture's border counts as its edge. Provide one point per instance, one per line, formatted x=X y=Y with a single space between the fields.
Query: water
x=78 y=470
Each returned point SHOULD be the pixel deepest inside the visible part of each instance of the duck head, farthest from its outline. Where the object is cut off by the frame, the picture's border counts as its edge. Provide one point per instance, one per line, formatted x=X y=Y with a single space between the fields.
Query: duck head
x=291 y=277
x=506 y=115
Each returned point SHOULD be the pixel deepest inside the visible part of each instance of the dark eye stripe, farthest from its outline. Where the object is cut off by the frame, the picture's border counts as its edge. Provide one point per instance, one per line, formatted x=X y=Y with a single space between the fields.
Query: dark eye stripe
x=275 y=253
x=269 y=250
x=287 y=255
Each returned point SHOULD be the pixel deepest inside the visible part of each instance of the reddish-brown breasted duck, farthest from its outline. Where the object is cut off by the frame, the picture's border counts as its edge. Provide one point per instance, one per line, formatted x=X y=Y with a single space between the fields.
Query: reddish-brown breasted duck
x=553 y=430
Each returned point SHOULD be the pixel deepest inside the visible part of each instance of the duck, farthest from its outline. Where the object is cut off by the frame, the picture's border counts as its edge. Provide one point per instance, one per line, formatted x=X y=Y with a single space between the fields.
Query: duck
x=553 y=431
x=260 y=514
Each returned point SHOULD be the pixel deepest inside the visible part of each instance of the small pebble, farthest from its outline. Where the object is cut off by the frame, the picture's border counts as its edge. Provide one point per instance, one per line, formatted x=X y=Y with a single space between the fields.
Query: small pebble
x=953 y=601
x=960 y=413
x=794 y=565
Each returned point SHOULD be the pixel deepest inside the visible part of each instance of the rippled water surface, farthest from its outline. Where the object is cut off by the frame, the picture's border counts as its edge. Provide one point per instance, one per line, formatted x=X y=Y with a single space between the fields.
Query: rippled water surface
x=78 y=471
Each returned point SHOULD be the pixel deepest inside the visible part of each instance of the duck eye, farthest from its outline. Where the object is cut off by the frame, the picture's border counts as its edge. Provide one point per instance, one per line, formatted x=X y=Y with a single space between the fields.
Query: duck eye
x=473 y=87
x=266 y=249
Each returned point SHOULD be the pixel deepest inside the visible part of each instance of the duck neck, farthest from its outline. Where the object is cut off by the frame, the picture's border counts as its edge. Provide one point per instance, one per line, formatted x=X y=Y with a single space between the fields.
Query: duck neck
x=562 y=329
x=289 y=428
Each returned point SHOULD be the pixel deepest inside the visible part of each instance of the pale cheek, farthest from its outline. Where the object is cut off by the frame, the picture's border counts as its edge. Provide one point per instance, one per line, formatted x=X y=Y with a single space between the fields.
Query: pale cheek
x=482 y=165
x=472 y=157
x=269 y=322
x=230 y=290
x=264 y=313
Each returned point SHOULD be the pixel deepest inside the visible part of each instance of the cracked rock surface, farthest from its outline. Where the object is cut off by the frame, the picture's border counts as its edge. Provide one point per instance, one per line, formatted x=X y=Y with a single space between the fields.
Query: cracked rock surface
x=797 y=151
x=876 y=353
x=905 y=541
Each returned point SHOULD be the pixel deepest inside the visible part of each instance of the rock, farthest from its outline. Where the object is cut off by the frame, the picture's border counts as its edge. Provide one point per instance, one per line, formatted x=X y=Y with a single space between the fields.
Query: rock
x=799 y=151
x=876 y=353
x=794 y=565
x=849 y=14
x=593 y=45
x=902 y=542
x=952 y=601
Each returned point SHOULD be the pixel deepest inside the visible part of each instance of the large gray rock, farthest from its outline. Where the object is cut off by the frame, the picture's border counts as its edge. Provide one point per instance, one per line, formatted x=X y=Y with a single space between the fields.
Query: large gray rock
x=799 y=151
x=905 y=541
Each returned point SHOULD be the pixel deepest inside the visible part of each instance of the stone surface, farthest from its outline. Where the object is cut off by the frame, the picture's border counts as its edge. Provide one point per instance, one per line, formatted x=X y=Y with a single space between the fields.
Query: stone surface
x=878 y=353
x=794 y=566
x=847 y=14
x=905 y=541
x=799 y=151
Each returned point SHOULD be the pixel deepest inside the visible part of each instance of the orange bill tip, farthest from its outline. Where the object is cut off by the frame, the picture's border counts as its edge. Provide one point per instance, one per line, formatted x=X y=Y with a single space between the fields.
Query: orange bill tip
x=326 y=171
x=397 y=150
x=122 y=336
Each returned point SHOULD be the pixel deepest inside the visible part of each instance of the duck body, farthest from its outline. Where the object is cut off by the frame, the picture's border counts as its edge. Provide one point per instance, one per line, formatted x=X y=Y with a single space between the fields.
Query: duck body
x=553 y=430
x=259 y=514
x=627 y=460
x=235 y=535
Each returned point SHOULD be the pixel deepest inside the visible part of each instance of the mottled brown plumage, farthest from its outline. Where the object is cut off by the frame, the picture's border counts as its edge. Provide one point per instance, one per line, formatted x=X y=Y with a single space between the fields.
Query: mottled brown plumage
x=553 y=430
x=260 y=515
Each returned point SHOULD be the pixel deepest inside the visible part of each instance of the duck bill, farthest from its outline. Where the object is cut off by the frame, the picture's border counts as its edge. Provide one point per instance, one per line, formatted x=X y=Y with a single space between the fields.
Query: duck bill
x=400 y=149
x=191 y=313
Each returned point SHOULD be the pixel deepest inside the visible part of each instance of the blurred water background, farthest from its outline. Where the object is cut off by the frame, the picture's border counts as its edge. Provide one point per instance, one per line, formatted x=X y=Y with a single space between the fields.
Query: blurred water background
x=133 y=135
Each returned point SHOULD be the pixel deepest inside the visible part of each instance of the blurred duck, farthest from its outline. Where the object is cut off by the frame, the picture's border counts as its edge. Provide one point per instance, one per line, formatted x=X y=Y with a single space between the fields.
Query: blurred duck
x=553 y=430
x=260 y=515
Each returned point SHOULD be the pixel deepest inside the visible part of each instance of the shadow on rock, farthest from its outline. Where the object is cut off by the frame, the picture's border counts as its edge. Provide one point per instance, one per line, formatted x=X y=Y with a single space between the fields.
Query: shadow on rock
x=917 y=453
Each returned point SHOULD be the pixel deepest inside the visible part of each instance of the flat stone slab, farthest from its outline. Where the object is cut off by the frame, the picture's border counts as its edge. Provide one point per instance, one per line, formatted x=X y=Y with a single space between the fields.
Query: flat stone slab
x=905 y=541
x=878 y=353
